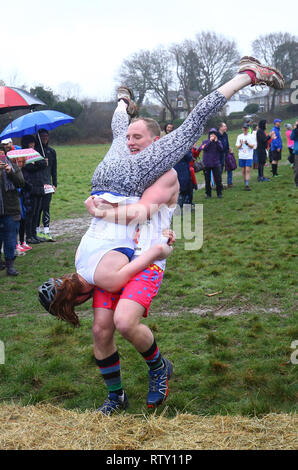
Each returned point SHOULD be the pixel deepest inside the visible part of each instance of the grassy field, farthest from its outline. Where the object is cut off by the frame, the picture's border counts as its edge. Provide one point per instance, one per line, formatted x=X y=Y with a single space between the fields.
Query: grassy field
x=231 y=352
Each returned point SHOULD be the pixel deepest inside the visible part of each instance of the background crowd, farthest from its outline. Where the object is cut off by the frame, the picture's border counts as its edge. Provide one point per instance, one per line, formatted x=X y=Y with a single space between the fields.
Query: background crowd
x=26 y=189
x=257 y=148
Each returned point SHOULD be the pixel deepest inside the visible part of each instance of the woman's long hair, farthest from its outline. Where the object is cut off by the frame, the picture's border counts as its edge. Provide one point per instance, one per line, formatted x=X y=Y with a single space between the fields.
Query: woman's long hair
x=66 y=298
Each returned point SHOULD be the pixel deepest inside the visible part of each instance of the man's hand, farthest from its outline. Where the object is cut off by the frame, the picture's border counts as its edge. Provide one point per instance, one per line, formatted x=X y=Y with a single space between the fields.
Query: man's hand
x=164 y=250
x=5 y=167
x=170 y=235
x=98 y=207
x=90 y=205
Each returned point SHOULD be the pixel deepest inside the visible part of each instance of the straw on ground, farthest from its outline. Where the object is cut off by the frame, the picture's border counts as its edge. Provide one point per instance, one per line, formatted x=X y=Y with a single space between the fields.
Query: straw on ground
x=50 y=427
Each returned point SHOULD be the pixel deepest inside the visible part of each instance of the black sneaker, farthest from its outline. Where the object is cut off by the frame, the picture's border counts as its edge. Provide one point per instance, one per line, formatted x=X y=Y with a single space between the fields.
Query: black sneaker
x=32 y=241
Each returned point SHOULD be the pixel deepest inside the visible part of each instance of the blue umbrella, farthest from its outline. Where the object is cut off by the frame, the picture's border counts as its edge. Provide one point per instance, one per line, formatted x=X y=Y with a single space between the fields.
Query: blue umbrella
x=31 y=123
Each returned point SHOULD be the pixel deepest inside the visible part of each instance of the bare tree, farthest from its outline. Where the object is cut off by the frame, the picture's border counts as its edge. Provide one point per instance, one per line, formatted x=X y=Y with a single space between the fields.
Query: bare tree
x=269 y=49
x=217 y=60
x=187 y=65
x=150 y=71
x=133 y=74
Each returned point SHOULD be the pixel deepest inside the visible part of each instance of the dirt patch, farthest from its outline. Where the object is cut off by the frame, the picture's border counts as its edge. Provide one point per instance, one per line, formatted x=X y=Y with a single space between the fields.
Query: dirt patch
x=73 y=228
x=49 y=427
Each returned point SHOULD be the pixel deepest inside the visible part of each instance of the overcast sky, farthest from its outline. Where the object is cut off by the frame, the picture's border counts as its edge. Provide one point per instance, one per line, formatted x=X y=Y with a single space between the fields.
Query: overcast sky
x=85 y=41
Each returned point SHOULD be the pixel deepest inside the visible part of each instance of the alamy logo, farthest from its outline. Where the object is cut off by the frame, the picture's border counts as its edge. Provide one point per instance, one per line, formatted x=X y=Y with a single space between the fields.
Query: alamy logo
x=2 y=352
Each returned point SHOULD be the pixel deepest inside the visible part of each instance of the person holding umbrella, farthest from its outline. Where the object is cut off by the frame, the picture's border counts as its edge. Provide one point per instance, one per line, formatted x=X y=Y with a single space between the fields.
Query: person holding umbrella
x=50 y=175
x=11 y=178
x=34 y=177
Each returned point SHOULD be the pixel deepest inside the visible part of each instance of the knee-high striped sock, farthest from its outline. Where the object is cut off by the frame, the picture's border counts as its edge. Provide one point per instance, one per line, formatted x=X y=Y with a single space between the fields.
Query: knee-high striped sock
x=153 y=357
x=110 y=370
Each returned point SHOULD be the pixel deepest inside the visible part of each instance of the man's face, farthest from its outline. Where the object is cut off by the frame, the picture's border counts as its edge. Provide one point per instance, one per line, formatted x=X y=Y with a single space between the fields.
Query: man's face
x=245 y=130
x=223 y=128
x=44 y=137
x=277 y=124
x=139 y=137
x=8 y=146
x=169 y=128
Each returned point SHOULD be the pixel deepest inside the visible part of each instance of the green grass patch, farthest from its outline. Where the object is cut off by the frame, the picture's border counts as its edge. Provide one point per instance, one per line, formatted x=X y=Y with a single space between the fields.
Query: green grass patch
x=238 y=364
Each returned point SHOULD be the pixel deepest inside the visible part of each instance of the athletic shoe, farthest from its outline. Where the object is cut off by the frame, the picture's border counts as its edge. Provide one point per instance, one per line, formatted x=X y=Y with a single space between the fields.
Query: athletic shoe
x=158 y=384
x=113 y=404
x=265 y=75
x=47 y=237
x=32 y=241
x=19 y=252
x=26 y=246
x=20 y=248
x=245 y=59
x=247 y=188
x=124 y=93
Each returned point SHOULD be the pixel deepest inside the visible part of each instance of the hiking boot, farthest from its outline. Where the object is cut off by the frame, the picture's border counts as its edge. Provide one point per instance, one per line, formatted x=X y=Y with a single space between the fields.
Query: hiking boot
x=113 y=404
x=158 y=384
x=265 y=75
x=248 y=59
x=10 y=271
x=124 y=93
x=132 y=109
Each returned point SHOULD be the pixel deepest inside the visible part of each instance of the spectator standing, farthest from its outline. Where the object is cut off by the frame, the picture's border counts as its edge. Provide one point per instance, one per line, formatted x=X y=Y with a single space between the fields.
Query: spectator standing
x=212 y=149
x=169 y=127
x=11 y=178
x=255 y=152
x=223 y=138
x=262 y=143
x=290 y=143
x=184 y=178
x=294 y=137
x=245 y=145
x=50 y=179
x=277 y=146
x=34 y=177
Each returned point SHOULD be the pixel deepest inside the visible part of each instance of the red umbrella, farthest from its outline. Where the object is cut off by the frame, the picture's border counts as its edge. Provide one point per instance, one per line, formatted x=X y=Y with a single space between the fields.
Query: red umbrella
x=12 y=99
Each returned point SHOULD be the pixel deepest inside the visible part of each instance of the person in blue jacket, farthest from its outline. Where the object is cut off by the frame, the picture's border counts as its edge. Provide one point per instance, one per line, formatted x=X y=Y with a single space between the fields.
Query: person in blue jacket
x=276 y=156
x=294 y=136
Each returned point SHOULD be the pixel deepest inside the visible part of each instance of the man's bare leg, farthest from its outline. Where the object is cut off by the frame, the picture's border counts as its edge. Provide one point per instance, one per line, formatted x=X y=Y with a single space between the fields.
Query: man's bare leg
x=127 y=320
x=108 y=360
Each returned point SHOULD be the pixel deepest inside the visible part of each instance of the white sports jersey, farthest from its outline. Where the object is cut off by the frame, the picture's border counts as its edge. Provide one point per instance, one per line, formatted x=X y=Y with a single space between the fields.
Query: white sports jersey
x=100 y=238
x=150 y=232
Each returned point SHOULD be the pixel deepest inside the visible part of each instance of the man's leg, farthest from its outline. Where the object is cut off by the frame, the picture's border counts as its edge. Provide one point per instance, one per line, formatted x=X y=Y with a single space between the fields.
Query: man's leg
x=127 y=320
x=218 y=180
x=207 y=174
x=108 y=360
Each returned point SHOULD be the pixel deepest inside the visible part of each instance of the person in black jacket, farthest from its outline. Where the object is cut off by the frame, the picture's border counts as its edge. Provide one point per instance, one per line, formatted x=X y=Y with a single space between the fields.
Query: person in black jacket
x=184 y=178
x=262 y=142
x=11 y=178
x=50 y=175
x=34 y=176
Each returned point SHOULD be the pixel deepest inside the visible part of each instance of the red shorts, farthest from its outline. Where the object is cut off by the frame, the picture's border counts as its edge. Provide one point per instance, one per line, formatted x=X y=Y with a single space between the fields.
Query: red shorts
x=142 y=288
